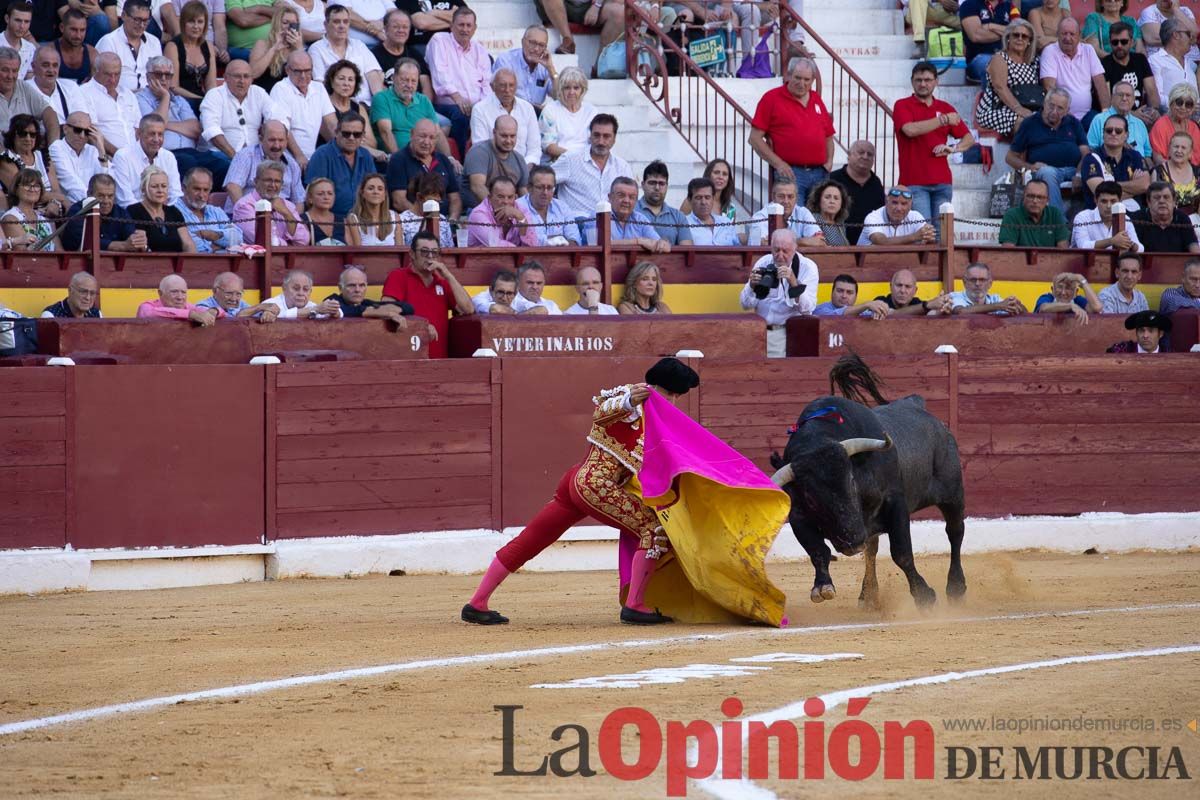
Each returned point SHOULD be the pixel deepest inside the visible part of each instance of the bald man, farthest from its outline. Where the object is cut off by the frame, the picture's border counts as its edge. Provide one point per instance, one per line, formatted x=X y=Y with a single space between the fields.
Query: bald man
x=272 y=146
x=494 y=157
x=79 y=155
x=172 y=304
x=352 y=298
x=903 y=300
x=590 y=286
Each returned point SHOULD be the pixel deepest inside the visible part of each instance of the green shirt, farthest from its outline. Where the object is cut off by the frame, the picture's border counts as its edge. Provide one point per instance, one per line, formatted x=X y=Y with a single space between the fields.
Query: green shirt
x=386 y=105
x=246 y=37
x=1048 y=233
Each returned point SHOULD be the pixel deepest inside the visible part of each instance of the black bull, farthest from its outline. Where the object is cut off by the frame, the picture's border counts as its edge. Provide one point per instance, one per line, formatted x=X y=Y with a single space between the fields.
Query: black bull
x=855 y=472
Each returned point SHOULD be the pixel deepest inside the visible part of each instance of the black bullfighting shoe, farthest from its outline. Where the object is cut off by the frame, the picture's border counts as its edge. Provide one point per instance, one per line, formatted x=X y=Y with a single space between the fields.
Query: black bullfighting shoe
x=632 y=616
x=472 y=614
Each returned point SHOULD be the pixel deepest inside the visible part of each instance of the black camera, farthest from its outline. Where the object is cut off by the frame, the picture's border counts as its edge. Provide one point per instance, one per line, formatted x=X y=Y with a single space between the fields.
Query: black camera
x=768 y=279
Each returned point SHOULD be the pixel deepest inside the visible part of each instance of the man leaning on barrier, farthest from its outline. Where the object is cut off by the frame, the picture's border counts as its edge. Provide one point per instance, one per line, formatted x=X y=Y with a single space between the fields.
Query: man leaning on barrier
x=498 y=297
x=843 y=302
x=976 y=296
x=117 y=232
x=628 y=226
x=172 y=304
x=228 y=288
x=903 y=301
x=294 y=301
x=83 y=294
x=351 y=297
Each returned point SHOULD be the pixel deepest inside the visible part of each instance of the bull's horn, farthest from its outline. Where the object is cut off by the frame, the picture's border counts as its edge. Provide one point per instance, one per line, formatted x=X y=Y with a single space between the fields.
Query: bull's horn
x=856 y=446
x=783 y=476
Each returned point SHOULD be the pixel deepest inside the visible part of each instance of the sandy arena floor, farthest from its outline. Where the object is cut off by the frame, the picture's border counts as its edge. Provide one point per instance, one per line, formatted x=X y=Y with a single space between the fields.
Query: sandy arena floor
x=430 y=730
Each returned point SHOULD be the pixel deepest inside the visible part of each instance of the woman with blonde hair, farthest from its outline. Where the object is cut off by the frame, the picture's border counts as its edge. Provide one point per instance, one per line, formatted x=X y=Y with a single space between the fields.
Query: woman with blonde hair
x=377 y=224
x=1179 y=171
x=643 y=291
x=1181 y=104
x=194 y=60
x=565 y=119
x=162 y=222
x=269 y=56
x=1012 y=76
x=324 y=226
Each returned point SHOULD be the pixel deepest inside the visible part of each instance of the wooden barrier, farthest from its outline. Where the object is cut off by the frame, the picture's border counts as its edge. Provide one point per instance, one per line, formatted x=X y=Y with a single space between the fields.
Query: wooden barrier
x=716 y=335
x=36 y=415
x=971 y=334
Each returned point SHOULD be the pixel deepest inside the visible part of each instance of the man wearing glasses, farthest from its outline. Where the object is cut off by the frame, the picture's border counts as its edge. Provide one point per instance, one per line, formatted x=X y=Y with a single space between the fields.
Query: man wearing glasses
x=83 y=293
x=303 y=105
x=1122 y=104
x=1050 y=145
x=131 y=44
x=78 y=156
x=344 y=161
x=286 y=228
x=897 y=222
x=183 y=129
x=1170 y=64
x=667 y=220
x=232 y=114
x=1124 y=65
x=1115 y=161
x=1067 y=65
x=431 y=289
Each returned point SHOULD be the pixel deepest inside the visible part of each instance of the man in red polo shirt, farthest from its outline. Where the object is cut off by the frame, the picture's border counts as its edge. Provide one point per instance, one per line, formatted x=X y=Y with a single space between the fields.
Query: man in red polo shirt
x=922 y=125
x=430 y=289
x=799 y=128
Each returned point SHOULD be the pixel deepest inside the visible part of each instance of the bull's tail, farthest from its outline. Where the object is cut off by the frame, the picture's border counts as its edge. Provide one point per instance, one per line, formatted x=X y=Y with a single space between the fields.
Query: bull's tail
x=854 y=380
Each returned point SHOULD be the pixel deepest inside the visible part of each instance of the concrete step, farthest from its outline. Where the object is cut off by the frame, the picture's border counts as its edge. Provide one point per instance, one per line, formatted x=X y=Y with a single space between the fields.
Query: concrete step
x=868 y=24
x=816 y=9
x=492 y=15
x=850 y=46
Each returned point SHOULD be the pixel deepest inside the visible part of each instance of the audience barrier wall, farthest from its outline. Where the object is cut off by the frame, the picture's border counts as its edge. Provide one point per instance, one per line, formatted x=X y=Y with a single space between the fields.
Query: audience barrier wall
x=141 y=456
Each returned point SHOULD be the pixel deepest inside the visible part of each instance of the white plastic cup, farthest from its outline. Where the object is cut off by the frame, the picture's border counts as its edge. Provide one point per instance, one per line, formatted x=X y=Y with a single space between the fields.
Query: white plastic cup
x=461 y=235
x=591 y=236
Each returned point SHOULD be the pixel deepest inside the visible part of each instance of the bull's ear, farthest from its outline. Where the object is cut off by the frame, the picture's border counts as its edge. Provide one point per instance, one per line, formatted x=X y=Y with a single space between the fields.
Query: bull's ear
x=783 y=476
x=855 y=446
x=776 y=460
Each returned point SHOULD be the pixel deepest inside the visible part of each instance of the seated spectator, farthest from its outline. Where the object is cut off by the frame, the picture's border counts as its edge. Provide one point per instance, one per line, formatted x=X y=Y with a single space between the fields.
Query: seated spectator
x=420 y=157
x=863 y=185
x=1063 y=297
x=643 y=291
x=129 y=164
x=550 y=221
x=1157 y=12
x=247 y=22
x=998 y=108
x=1067 y=65
x=531 y=281
x=131 y=44
x=312 y=19
x=796 y=218
x=1138 y=137
x=395 y=110
x=829 y=204
x=1050 y=145
x=586 y=176
x=1162 y=228
x=352 y=300
x=294 y=301
x=1182 y=100
x=706 y=229
x=269 y=56
x=83 y=295
x=589 y=284
x=1045 y=19
x=20 y=98
x=1150 y=327
x=113 y=110
x=303 y=106
x=610 y=16
x=498 y=221
x=272 y=146
x=1035 y=223
x=1092 y=229
x=782 y=284
x=78 y=156
x=721 y=174
x=23 y=146
x=231 y=113
x=503 y=101
x=431 y=289
x=1171 y=64
x=1123 y=297
x=896 y=223
x=325 y=226
x=1187 y=294
x=493 y=159
x=903 y=300
x=460 y=68
x=25 y=228
x=345 y=162
x=17 y=18
x=172 y=303
x=976 y=296
x=210 y=226
x=936 y=14
x=744 y=17
x=366 y=20
x=627 y=226
x=286 y=228
x=193 y=55
x=228 y=289
x=1123 y=65
x=182 y=133
x=338 y=46
x=564 y=119
x=1178 y=172
x=498 y=297
x=842 y=302
x=533 y=66
x=1097 y=25
x=1116 y=162
x=75 y=45
x=669 y=222
x=61 y=95
x=398 y=45
x=116 y=228
x=376 y=223
x=983 y=24
x=162 y=222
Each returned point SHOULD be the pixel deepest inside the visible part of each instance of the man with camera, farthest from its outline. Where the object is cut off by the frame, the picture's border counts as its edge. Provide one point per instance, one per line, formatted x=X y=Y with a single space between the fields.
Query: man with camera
x=781 y=285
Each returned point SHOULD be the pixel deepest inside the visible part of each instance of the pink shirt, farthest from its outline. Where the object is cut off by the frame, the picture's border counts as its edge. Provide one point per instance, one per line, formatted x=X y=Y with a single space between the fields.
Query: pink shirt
x=456 y=70
x=243 y=214
x=485 y=236
x=154 y=309
x=1073 y=74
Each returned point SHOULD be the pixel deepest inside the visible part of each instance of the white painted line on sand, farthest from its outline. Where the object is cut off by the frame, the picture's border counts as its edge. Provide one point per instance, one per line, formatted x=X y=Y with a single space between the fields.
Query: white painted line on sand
x=746 y=789
x=246 y=689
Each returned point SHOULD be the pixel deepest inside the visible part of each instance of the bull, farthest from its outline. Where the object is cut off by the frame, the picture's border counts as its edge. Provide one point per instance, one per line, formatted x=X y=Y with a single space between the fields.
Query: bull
x=855 y=472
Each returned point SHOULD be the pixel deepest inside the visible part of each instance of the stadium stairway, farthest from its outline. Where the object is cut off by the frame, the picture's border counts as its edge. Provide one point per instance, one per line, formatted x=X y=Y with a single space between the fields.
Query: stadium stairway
x=868 y=34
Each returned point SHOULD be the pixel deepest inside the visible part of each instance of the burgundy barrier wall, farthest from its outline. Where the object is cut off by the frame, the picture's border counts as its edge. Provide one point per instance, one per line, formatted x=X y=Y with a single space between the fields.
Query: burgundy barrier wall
x=34 y=424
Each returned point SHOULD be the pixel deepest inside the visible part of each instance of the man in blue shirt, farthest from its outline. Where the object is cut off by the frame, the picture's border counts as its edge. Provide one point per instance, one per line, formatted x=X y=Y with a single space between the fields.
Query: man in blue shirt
x=628 y=226
x=219 y=233
x=842 y=299
x=344 y=161
x=1050 y=145
x=551 y=214
x=668 y=221
x=116 y=228
x=183 y=128
x=1187 y=294
x=983 y=24
x=532 y=65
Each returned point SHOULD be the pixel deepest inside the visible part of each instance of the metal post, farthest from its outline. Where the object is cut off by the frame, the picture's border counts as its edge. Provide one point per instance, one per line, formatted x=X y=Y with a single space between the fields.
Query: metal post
x=264 y=238
x=604 y=240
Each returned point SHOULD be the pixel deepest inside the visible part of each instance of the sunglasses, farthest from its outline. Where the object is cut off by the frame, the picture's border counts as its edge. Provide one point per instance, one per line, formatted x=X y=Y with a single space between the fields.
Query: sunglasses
x=30 y=134
x=1019 y=35
x=1114 y=130
x=351 y=134
x=907 y=195
x=1115 y=42
x=1185 y=103
x=429 y=253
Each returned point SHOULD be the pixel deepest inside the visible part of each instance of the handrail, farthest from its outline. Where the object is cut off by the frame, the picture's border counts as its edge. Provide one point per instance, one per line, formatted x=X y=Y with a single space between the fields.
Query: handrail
x=858 y=112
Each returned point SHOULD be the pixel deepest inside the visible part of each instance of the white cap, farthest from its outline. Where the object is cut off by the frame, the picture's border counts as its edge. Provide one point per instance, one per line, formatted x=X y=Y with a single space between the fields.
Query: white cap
x=773 y=208
x=484 y=352
x=262 y=205
x=60 y=361
x=1118 y=208
x=260 y=360
x=945 y=349
x=946 y=208
x=689 y=354
x=603 y=207
x=431 y=207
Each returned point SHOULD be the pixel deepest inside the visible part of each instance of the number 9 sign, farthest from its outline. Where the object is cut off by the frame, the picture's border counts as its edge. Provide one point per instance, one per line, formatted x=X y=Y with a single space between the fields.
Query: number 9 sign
x=415 y=340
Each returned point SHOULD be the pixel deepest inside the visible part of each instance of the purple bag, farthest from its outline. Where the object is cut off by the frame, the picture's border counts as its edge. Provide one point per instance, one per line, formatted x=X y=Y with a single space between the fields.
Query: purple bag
x=758 y=65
